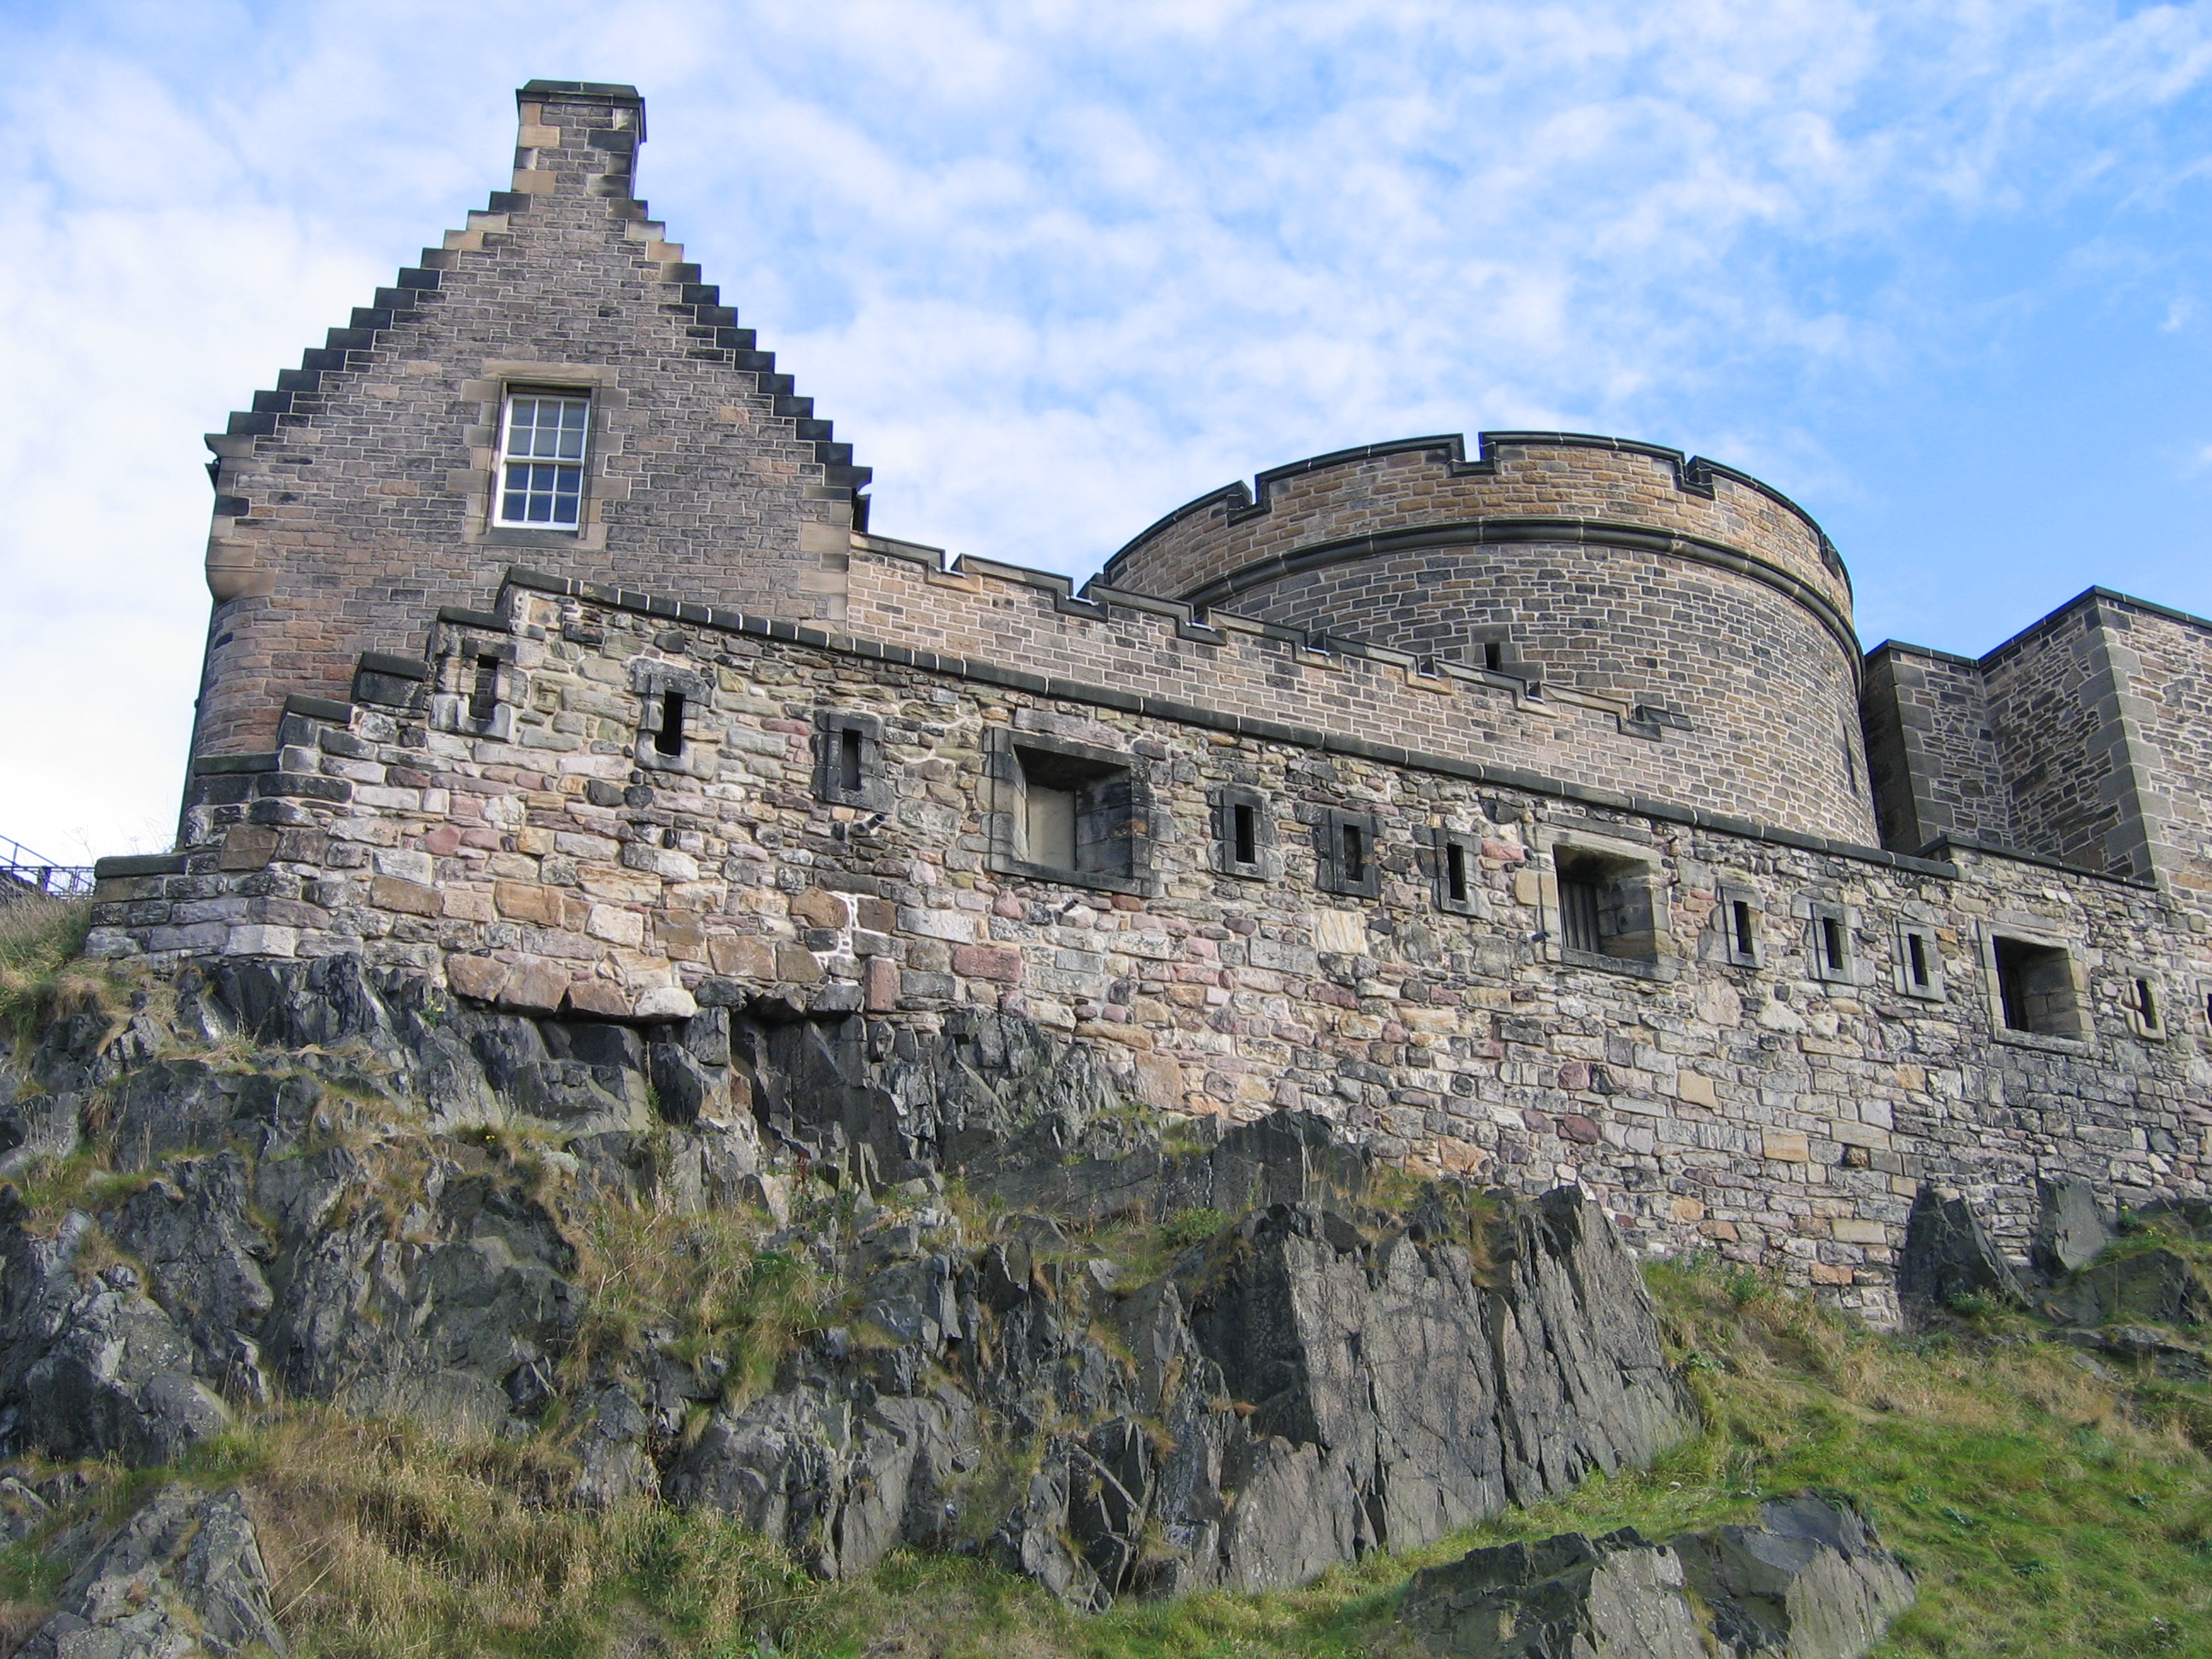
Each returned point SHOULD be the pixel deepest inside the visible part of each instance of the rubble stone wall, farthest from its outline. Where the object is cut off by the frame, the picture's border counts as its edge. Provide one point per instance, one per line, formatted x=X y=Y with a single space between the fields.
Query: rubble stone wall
x=1773 y=1106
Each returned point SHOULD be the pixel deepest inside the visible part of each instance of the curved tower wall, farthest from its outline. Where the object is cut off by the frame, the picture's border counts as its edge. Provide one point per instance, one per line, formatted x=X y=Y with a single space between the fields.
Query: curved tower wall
x=1710 y=606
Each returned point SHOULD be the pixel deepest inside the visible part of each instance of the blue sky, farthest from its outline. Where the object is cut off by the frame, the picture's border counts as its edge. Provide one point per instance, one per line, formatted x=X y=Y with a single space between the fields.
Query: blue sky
x=1938 y=271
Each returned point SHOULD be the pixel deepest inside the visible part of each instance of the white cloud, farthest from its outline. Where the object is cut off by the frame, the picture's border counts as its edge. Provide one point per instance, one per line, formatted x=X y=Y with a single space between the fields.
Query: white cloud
x=1053 y=267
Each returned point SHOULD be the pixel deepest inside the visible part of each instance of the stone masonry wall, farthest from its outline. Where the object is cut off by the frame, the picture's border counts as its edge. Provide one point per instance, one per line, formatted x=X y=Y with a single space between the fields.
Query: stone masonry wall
x=1761 y=701
x=1266 y=673
x=1931 y=751
x=356 y=496
x=2162 y=661
x=2062 y=744
x=1773 y=1108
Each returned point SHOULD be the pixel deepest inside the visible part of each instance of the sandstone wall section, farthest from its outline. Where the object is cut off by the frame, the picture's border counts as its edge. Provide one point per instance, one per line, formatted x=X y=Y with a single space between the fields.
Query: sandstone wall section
x=1777 y=1109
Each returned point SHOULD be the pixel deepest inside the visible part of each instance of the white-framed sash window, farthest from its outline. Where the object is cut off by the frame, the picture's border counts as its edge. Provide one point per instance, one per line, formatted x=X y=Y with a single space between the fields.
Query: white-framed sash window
x=541 y=460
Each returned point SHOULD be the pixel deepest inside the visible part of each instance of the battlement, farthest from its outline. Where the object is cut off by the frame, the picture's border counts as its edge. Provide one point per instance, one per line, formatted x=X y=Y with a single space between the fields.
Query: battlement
x=1521 y=486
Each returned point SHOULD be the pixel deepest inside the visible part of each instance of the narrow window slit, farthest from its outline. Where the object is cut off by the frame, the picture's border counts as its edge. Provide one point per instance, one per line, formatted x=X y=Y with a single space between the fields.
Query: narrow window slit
x=1493 y=655
x=483 y=695
x=1832 y=943
x=669 y=740
x=1747 y=938
x=1355 y=854
x=2146 y=1004
x=1916 y=950
x=1244 y=834
x=1455 y=871
x=849 y=761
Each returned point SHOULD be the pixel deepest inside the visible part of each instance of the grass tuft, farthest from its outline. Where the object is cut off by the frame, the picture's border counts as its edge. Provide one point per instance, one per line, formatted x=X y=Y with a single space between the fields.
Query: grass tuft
x=42 y=978
x=702 y=1284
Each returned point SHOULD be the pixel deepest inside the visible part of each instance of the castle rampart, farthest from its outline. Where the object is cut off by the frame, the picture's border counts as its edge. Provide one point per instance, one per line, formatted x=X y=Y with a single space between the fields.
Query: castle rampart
x=1617 y=569
x=1725 y=1082
x=1514 y=814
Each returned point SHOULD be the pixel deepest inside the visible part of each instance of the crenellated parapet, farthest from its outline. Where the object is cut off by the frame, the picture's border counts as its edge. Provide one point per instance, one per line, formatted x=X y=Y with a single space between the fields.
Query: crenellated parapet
x=1521 y=486
x=1585 y=565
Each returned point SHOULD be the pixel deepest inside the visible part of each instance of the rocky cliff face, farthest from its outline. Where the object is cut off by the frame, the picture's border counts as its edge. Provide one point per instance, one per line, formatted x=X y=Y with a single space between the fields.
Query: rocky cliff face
x=969 y=1296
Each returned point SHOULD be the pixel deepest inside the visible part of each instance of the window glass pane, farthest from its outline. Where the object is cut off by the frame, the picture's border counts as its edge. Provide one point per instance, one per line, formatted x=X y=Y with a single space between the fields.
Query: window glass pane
x=547 y=429
x=570 y=444
x=541 y=494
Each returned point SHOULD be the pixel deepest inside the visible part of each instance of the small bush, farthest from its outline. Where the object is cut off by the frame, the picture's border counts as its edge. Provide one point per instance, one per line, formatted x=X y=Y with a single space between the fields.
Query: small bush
x=1187 y=1227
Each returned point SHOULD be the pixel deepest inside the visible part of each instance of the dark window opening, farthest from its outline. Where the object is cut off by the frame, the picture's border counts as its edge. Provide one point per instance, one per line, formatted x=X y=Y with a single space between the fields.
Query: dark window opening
x=1455 y=873
x=1493 y=655
x=669 y=740
x=483 y=694
x=1607 y=907
x=2147 y=1003
x=2035 y=988
x=1244 y=833
x=848 y=762
x=1834 y=957
x=1352 y=853
x=1746 y=934
x=1077 y=814
x=1916 y=956
x=1578 y=916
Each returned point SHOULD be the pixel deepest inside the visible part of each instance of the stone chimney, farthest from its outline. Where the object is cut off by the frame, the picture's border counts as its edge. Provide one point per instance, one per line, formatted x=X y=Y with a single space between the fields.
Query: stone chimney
x=577 y=137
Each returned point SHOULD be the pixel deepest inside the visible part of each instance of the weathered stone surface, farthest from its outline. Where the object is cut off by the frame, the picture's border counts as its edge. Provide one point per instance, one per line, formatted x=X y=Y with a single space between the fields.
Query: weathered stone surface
x=1947 y=1256
x=2071 y=1227
x=2159 y=1284
x=89 y=1366
x=1567 y=1597
x=182 y=1578
x=1327 y=1386
x=1810 y=1581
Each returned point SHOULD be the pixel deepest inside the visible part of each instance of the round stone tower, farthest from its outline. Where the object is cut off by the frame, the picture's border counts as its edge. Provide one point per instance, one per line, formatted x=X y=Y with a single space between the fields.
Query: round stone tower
x=1710 y=605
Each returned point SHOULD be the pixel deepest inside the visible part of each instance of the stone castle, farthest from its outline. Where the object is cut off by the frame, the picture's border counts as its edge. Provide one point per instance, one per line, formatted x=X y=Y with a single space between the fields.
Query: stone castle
x=1532 y=814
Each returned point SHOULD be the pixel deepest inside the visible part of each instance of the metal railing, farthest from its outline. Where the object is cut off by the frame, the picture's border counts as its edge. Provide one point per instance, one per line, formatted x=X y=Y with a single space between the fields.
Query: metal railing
x=25 y=874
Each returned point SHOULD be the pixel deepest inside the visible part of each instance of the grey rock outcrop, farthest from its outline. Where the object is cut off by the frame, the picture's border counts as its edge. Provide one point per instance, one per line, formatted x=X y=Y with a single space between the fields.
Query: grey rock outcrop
x=1947 y=1255
x=2159 y=1284
x=182 y=1578
x=1565 y=1597
x=378 y=1209
x=1315 y=1386
x=1810 y=1582
x=2070 y=1226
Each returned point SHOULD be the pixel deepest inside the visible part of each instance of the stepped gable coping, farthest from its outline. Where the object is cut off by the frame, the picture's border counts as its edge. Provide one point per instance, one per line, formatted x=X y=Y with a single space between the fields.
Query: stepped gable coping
x=1693 y=475
x=1329 y=743
x=353 y=348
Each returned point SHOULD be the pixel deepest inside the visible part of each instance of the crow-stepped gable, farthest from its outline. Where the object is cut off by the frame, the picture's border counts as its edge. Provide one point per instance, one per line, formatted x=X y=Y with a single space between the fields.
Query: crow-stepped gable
x=1534 y=817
